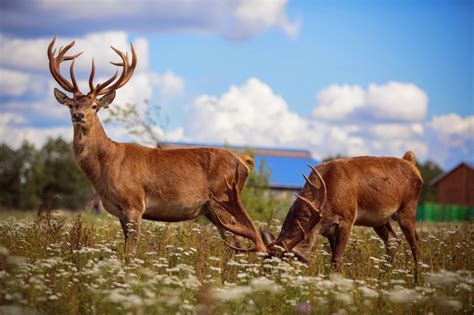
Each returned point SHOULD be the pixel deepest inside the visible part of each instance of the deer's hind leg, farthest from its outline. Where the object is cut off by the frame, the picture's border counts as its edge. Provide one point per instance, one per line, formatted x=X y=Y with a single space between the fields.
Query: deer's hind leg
x=406 y=217
x=390 y=239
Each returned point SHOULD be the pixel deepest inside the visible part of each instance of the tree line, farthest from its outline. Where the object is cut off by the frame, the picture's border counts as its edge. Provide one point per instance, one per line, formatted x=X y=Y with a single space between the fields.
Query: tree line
x=29 y=176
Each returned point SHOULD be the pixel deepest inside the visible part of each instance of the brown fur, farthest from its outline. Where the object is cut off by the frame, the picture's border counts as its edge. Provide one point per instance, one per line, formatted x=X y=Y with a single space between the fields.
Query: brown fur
x=365 y=191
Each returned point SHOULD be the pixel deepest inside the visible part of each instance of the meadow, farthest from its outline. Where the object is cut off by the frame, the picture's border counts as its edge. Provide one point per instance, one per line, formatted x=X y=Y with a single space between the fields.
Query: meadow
x=75 y=264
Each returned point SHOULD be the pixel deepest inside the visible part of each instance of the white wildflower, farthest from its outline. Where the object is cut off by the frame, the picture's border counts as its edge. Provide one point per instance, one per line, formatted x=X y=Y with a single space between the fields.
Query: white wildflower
x=368 y=293
x=400 y=296
x=264 y=284
x=345 y=298
x=229 y=294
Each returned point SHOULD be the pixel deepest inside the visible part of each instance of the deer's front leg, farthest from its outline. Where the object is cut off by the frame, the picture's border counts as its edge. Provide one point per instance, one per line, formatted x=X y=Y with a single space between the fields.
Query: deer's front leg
x=130 y=221
x=342 y=237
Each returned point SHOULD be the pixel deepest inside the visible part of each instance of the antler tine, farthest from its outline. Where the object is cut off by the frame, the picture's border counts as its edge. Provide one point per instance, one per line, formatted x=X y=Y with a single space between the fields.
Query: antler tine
x=310 y=183
x=322 y=189
x=55 y=63
x=73 y=77
x=240 y=249
x=302 y=230
x=66 y=58
x=308 y=203
x=100 y=86
x=229 y=186
x=127 y=72
x=53 y=69
x=245 y=250
x=323 y=184
x=91 y=76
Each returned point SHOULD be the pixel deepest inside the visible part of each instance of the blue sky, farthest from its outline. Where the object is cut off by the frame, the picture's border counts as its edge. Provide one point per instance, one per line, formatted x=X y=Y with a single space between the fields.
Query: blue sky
x=348 y=77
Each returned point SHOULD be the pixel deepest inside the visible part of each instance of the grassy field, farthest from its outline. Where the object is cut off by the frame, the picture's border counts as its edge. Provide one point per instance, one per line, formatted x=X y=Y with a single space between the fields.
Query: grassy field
x=76 y=265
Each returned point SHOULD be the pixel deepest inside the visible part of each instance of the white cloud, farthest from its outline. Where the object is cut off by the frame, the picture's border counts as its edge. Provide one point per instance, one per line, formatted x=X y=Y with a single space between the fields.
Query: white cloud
x=17 y=83
x=248 y=114
x=453 y=130
x=396 y=130
x=14 y=135
x=336 y=102
x=235 y=19
x=395 y=101
x=31 y=53
x=170 y=84
x=8 y=118
x=256 y=16
x=253 y=114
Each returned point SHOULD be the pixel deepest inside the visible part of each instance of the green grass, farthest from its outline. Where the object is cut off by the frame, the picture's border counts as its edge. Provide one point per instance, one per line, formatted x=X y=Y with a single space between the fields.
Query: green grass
x=76 y=265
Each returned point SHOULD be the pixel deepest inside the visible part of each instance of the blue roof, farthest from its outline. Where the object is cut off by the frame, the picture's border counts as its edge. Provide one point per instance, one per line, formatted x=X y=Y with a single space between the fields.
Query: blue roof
x=286 y=171
x=286 y=165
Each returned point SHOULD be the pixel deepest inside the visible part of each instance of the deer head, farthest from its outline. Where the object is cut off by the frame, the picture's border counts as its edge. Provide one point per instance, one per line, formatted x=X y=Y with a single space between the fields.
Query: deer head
x=84 y=107
x=243 y=224
x=304 y=217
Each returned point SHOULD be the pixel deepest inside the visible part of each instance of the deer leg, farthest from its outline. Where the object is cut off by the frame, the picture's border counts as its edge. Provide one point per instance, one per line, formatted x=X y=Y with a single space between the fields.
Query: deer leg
x=341 y=239
x=406 y=219
x=332 y=243
x=390 y=239
x=130 y=222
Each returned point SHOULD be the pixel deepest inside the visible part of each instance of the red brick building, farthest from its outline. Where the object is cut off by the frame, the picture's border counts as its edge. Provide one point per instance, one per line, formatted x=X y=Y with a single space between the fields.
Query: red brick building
x=456 y=187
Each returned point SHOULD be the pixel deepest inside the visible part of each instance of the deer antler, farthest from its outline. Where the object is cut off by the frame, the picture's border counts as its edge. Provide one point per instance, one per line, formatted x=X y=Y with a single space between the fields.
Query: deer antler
x=225 y=226
x=103 y=88
x=55 y=66
x=234 y=206
x=318 y=192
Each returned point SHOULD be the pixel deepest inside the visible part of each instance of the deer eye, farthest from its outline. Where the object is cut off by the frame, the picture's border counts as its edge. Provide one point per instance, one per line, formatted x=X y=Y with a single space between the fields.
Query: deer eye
x=94 y=106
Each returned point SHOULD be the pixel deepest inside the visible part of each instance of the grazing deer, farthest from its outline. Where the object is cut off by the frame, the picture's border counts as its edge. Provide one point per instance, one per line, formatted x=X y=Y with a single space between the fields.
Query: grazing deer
x=365 y=191
x=136 y=182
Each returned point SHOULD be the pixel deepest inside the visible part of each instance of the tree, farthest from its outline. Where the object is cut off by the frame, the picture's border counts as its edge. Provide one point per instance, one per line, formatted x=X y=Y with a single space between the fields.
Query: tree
x=9 y=177
x=61 y=175
x=333 y=157
x=428 y=170
x=30 y=176
x=145 y=124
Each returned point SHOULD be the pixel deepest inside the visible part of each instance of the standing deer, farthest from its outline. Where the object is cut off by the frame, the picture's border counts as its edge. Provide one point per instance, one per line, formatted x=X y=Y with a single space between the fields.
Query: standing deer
x=365 y=191
x=136 y=182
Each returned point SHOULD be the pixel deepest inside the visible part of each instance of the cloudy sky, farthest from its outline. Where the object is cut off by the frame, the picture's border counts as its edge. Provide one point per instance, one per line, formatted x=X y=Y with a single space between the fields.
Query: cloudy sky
x=338 y=77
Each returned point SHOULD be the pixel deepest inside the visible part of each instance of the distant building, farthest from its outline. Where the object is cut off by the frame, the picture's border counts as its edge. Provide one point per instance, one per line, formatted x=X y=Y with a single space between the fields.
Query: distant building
x=286 y=165
x=456 y=187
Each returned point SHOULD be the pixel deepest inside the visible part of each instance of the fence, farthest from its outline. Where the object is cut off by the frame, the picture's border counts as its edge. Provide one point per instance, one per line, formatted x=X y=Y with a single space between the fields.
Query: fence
x=433 y=212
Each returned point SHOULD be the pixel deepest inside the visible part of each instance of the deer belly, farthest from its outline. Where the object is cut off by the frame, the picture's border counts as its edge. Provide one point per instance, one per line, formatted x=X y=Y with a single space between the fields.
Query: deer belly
x=172 y=211
x=373 y=218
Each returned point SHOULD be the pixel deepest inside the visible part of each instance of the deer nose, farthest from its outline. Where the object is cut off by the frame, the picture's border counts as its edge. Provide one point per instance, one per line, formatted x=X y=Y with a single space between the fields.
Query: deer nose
x=78 y=116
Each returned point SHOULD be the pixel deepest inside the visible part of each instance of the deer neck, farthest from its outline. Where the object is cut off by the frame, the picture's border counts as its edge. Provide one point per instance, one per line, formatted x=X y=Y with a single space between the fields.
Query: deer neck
x=91 y=148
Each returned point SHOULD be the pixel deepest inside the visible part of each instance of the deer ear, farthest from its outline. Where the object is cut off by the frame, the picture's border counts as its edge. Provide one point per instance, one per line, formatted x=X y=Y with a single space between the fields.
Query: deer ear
x=62 y=98
x=106 y=100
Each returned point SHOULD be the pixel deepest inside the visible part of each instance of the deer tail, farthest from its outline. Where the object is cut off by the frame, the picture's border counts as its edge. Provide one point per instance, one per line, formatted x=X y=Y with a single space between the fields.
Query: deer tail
x=248 y=161
x=410 y=157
